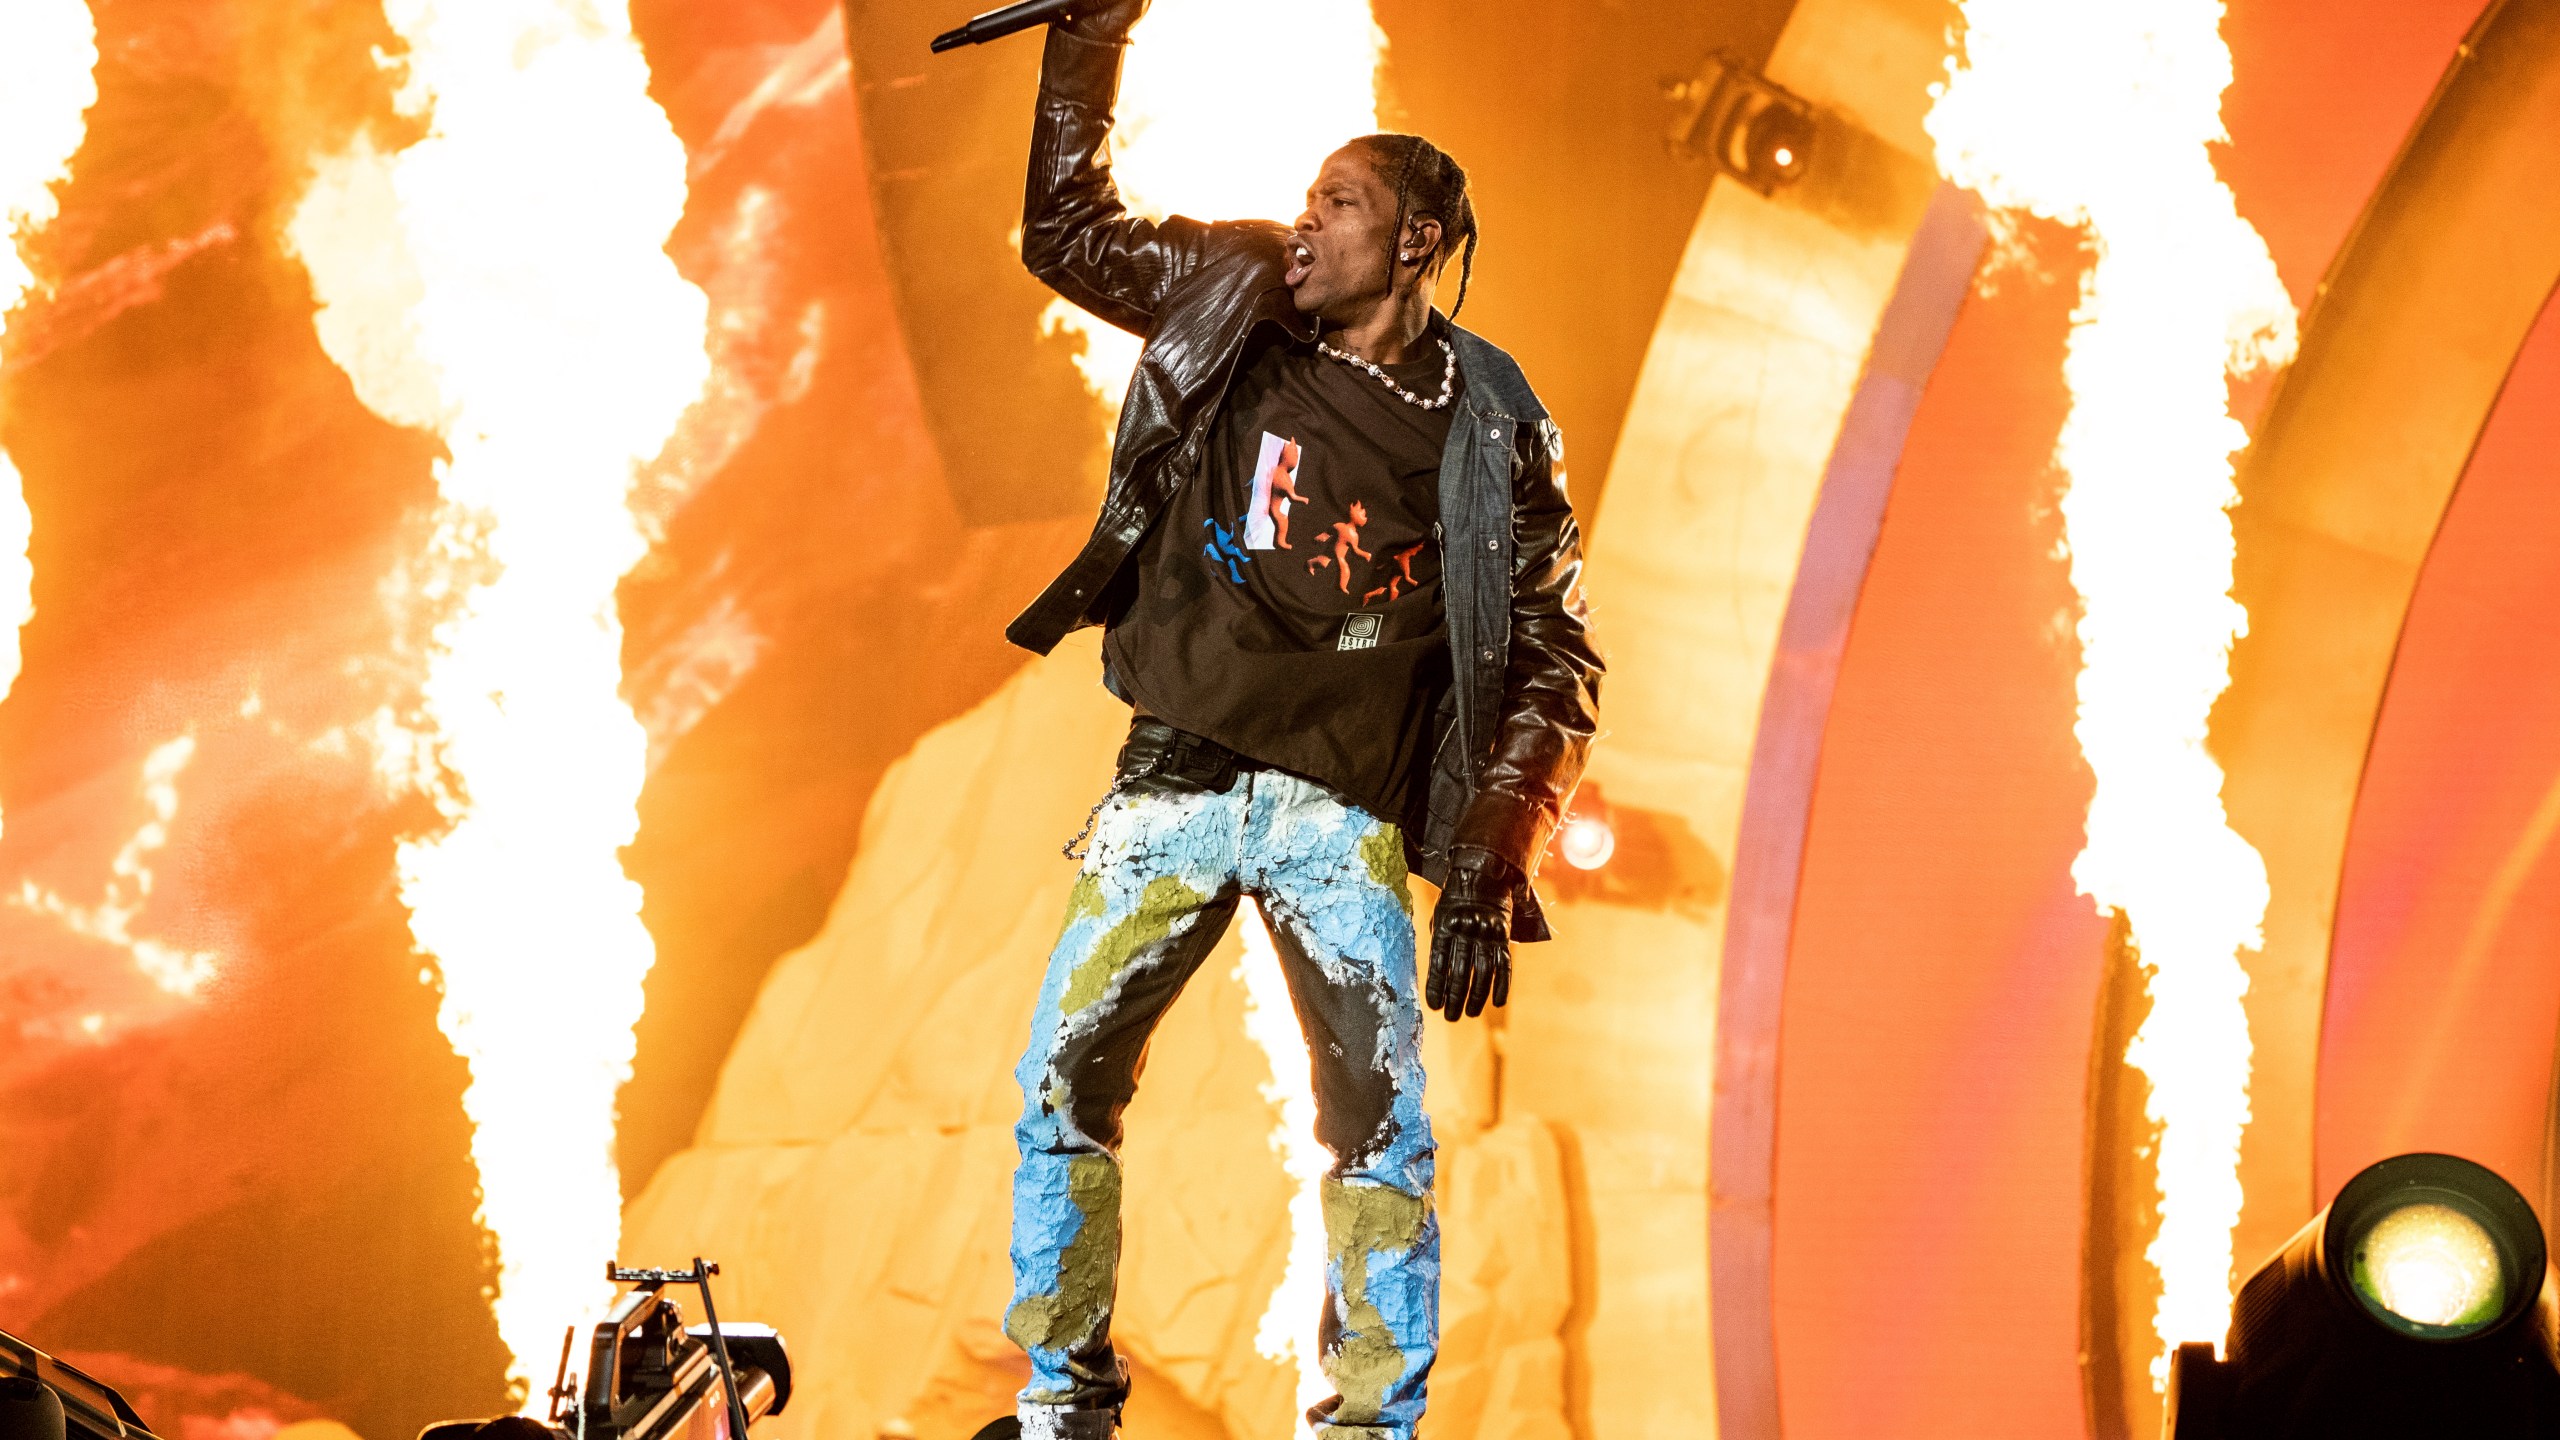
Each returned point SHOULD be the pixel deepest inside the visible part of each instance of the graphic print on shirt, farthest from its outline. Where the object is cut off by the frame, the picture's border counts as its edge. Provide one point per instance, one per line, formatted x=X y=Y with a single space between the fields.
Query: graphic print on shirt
x=1275 y=485
x=1342 y=560
x=1344 y=537
x=1223 y=549
x=1337 y=671
x=1402 y=580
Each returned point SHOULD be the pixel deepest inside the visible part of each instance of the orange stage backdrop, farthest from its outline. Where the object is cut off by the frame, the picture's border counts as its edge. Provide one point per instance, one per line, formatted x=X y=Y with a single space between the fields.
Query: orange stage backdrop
x=255 y=1206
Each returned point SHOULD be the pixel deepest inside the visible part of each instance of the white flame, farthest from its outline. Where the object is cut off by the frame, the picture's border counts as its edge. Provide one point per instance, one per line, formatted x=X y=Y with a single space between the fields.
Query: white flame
x=505 y=281
x=1272 y=1023
x=2098 y=114
x=182 y=973
x=1201 y=131
x=48 y=60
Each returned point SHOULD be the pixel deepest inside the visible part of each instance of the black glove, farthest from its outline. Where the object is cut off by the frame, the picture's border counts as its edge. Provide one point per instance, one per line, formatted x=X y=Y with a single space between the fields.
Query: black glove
x=1108 y=21
x=1471 y=935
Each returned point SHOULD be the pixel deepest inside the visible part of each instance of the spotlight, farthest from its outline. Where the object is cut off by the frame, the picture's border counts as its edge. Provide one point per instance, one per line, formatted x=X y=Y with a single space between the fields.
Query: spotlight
x=2429 y=1269
x=1587 y=839
x=1753 y=130
x=2420 y=1303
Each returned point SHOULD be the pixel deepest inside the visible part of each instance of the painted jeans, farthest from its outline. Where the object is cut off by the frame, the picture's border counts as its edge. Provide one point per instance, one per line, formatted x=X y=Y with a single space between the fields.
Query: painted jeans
x=1155 y=895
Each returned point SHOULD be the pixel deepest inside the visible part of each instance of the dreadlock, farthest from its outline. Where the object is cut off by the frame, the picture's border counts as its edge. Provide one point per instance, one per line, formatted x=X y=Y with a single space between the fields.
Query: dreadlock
x=1428 y=184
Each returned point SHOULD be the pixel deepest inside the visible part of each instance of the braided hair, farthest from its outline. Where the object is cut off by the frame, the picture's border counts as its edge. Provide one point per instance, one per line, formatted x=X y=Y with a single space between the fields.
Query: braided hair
x=1427 y=183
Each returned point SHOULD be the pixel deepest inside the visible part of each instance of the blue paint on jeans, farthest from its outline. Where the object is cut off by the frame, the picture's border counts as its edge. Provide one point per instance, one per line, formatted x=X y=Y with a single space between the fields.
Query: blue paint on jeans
x=1157 y=888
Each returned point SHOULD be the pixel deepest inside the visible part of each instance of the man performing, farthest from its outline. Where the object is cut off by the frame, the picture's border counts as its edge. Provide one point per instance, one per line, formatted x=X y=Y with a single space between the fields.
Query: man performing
x=1288 y=743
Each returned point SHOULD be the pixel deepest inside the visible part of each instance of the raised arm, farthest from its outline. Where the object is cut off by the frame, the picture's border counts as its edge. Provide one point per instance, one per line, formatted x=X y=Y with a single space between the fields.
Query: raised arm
x=1077 y=235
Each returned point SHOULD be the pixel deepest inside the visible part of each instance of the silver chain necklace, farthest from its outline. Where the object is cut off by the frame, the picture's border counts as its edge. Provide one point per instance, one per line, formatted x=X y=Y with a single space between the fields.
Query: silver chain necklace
x=1448 y=377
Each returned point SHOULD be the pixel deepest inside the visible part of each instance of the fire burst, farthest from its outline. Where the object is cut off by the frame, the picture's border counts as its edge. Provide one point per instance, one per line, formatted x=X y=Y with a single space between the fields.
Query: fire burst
x=2097 y=114
x=48 y=59
x=504 y=281
x=1186 y=139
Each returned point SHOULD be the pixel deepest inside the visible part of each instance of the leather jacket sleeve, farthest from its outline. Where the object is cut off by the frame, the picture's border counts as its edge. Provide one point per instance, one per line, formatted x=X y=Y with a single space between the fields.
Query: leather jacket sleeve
x=1551 y=683
x=1078 y=237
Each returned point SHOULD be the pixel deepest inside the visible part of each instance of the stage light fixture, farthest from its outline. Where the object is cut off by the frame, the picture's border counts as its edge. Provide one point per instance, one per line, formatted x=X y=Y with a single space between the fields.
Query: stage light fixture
x=650 y=1376
x=1752 y=129
x=2429 y=1269
x=29 y=1410
x=42 y=1398
x=1587 y=842
x=2420 y=1303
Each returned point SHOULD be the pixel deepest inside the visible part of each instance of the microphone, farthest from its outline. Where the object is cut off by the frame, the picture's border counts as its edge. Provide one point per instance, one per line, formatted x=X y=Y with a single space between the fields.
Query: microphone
x=996 y=24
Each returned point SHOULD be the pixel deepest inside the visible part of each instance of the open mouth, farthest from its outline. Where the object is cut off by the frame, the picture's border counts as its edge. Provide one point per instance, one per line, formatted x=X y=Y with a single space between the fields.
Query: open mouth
x=1301 y=260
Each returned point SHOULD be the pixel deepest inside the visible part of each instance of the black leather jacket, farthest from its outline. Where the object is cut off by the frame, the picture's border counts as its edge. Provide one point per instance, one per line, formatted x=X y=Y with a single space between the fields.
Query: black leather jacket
x=1526 y=675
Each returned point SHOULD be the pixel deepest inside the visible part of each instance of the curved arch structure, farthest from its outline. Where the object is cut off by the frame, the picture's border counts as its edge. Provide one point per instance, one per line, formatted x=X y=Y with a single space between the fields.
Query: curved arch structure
x=2403 y=356
x=1737 y=419
x=1778 y=803
x=2340 y=424
x=2442 y=999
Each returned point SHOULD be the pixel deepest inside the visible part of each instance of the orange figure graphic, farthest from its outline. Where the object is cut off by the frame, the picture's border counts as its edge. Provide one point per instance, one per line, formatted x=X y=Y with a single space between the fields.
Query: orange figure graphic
x=1284 y=488
x=1345 y=535
x=1396 y=583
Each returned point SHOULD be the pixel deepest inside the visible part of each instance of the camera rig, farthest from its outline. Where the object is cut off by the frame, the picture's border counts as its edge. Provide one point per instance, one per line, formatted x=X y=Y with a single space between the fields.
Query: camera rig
x=649 y=1376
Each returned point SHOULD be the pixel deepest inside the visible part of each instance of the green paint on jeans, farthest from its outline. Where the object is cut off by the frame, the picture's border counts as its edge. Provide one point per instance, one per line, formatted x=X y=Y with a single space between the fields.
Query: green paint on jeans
x=1164 y=901
x=1071 y=1318
x=1360 y=1221
x=1383 y=849
x=1085 y=901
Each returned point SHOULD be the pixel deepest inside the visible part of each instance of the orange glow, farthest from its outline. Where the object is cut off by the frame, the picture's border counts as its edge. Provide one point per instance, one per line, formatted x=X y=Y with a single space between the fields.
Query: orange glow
x=48 y=56
x=504 y=283
x=182 y=973
x=2100 y=117
x=1587 y=842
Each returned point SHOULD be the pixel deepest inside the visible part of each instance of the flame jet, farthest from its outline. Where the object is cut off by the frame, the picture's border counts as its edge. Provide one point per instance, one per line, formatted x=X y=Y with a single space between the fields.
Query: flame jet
x=504 y=282
x=1272 y=1023
x=2097 y=114
x=48 y=81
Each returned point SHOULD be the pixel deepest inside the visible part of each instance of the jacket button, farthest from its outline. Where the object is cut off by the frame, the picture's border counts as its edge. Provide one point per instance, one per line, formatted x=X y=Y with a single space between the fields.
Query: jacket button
x=1488 y=656
x=1496 y=434
x=1493 y=545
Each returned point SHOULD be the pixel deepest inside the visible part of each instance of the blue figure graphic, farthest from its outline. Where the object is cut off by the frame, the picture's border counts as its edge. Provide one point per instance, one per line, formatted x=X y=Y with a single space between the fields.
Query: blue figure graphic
x=1223 y=549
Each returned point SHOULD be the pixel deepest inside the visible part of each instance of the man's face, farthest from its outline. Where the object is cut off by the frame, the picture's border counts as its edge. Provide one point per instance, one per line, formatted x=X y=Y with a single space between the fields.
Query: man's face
x=1339 y=267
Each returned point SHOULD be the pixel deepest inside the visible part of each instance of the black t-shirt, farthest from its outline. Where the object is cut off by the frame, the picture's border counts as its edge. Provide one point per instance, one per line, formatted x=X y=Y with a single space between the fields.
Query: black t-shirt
x=1287 y=602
